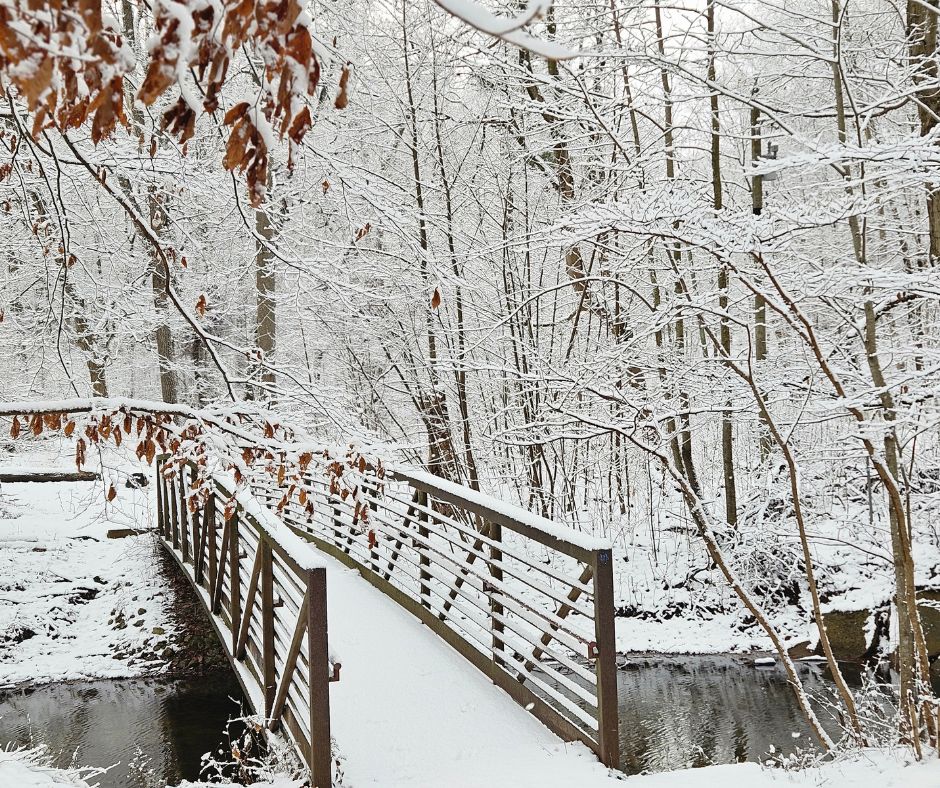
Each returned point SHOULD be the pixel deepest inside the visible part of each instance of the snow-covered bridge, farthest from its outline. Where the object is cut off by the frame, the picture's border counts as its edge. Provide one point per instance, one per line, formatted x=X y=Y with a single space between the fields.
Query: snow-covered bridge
x=464 y=580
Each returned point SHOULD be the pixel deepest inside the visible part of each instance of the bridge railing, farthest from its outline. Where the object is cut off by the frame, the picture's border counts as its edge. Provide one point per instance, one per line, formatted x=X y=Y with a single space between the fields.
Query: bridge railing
x=528 y=602
x=268 y=607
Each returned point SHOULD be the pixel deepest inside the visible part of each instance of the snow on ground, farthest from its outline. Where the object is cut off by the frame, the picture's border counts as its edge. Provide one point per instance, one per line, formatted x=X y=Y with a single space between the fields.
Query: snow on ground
x=28 y=769
x=869 y=769
x=75 y=604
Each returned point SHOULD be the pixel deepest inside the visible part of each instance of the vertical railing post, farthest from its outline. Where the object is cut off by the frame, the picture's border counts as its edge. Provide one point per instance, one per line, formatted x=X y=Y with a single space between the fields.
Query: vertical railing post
x=161 y=506
x=320 y=758
x=184 y=515
x=198 y=547
x=235 y=610
x=269 y=681
x=208 y=517
x=373 y=538
x=423 y=551
x=174 y=512
x=608 y=728
x=495 y=531
x=338 y=524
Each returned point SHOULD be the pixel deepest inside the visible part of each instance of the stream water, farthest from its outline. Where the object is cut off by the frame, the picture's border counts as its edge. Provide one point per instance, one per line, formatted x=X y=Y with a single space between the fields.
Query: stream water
x=680 y=712
x=676 y=712
x=136 y=726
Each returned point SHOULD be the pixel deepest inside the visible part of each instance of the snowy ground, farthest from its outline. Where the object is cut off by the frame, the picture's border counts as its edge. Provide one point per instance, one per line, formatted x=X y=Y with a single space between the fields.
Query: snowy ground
x=75 y=604
x=873 y=769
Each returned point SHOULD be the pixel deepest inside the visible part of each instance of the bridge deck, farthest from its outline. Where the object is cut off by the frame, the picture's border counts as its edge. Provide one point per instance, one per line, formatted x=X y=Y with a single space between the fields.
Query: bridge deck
x=410 y=711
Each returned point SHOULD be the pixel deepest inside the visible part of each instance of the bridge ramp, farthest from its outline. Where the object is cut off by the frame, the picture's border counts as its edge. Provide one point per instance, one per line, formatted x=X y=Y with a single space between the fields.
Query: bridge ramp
x=410 y=711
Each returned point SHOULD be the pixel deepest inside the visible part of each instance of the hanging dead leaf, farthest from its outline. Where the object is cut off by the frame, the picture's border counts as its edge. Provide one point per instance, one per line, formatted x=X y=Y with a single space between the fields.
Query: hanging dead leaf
x=112 y=493
x=342 y=98
x=436 y=299
x=15 y=428
x=69 y=429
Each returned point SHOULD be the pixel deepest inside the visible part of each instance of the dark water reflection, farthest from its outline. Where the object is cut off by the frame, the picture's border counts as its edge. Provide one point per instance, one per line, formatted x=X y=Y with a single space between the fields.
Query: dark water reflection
x=684 y=712
x=694 y=711
x=165 y=726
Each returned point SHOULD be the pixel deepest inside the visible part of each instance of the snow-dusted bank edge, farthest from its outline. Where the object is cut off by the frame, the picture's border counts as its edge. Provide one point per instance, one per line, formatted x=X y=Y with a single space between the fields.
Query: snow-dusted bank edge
x=867 y=769
x=74 y=603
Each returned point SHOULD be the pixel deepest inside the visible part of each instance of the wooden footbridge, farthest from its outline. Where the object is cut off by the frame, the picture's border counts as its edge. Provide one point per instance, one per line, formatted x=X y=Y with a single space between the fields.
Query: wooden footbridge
x=526 y=601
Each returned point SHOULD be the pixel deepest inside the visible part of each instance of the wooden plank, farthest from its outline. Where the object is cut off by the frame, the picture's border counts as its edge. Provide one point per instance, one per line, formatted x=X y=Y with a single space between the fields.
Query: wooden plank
x=606 y=664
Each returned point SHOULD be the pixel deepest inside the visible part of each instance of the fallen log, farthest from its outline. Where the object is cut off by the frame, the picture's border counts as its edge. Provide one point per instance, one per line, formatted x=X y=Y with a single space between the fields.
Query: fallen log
x=48 y=476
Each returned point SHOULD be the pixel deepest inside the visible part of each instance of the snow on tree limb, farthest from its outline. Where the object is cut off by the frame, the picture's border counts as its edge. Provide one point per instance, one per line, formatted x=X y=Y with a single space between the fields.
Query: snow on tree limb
x=508 y=29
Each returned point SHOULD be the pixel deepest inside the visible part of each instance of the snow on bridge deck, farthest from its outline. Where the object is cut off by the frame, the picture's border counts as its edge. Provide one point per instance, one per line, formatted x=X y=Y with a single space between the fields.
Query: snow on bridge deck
x=410 y=711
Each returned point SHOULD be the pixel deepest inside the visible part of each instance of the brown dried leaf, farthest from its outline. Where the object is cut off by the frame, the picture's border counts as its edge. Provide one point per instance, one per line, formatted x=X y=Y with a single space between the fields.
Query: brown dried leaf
x=342 y=98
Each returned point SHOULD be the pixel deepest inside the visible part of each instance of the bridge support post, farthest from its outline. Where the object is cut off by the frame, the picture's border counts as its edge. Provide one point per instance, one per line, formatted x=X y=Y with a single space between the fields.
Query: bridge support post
x=495 y=532
x=161 y=505
x=184 y=516
x=174 y=512
x=269 y=681
x=320 y=759
x=234 y=578
x=208 y=517
x=424 y=560
x=608 y=733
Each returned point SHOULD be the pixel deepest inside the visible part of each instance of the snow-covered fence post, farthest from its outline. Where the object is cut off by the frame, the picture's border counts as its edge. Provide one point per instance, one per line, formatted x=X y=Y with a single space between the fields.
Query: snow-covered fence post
x=605 y=665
